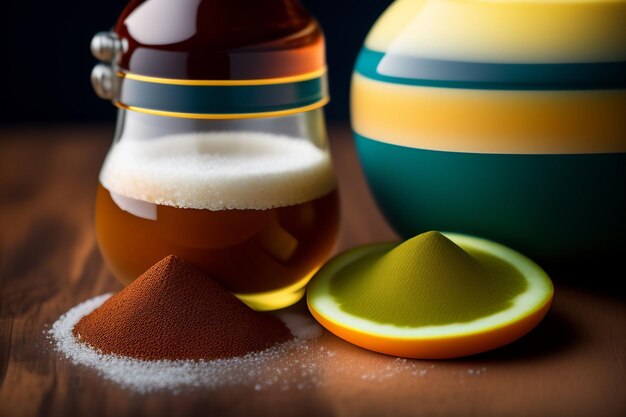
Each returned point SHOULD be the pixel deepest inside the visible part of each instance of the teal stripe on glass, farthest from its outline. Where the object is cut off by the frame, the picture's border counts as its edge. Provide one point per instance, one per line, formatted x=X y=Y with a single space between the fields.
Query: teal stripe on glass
x=551 y=206
x=407 y=70
x=222 y=99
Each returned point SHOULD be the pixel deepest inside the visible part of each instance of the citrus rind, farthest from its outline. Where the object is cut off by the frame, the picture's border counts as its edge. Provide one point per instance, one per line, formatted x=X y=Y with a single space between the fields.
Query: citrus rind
x=437 y=341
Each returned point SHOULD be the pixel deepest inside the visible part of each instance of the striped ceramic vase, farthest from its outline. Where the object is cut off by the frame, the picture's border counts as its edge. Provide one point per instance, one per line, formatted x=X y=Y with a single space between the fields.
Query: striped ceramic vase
x=501 y=119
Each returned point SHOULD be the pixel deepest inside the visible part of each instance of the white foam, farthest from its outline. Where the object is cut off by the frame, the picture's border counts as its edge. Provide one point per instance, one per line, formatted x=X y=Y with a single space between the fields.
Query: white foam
x=219 y=171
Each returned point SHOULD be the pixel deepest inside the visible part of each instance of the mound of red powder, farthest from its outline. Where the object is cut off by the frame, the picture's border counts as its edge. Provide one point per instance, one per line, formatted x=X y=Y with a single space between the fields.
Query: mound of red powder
x=175 y=311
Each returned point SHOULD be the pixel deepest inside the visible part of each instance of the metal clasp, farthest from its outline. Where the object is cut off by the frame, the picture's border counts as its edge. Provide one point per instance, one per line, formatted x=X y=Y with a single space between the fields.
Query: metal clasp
x=106 y=47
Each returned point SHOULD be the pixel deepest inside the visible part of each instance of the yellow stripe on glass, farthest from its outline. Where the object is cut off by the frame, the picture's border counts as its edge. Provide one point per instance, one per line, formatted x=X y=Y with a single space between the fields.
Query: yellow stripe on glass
x=262 y=81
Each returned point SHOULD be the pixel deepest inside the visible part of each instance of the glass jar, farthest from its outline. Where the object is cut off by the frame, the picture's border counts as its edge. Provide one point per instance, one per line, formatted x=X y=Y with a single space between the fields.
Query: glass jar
x=227 y=167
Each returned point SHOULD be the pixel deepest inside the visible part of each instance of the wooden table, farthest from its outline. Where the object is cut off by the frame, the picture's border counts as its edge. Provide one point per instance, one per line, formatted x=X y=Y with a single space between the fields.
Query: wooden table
x=573 y=364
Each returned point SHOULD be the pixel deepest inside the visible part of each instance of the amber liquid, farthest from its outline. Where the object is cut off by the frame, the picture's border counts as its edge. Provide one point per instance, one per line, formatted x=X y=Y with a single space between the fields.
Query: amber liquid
x=247 y=251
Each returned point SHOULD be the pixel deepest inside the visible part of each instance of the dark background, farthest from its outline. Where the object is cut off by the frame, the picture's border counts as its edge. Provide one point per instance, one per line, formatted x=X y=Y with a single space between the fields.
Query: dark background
x=47 y=63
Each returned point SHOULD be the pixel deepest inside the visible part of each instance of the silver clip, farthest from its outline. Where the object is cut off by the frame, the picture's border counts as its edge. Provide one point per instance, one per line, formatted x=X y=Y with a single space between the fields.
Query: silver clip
x=106 y=47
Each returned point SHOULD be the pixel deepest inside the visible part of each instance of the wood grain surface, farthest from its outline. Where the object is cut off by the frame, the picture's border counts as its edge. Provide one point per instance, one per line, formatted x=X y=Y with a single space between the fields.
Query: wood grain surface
x=573 y=364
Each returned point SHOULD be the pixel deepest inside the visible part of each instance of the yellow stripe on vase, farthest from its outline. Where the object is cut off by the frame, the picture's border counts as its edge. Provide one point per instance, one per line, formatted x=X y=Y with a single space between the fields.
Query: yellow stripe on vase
x=490 y=121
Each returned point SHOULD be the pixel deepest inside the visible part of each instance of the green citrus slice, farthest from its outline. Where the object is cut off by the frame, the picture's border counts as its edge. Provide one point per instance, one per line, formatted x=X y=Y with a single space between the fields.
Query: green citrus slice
x=433 y=296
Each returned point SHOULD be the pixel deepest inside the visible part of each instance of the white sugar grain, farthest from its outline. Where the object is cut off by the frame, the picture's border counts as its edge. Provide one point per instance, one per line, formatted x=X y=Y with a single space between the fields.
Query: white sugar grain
x=299 y=364
x=303 y=327
x=256 y=370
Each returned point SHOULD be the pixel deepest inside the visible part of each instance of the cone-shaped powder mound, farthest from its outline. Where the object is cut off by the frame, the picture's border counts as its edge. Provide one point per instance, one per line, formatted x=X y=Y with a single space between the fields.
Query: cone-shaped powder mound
x=427 y=280
x=175 y=311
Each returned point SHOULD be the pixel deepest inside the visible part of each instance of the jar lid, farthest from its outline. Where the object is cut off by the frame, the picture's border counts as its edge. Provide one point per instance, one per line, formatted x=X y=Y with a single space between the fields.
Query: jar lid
x=499 y=44
x=213 y=59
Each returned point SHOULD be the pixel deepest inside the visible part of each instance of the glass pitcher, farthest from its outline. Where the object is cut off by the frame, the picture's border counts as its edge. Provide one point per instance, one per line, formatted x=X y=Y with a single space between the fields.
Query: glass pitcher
x=220 y=155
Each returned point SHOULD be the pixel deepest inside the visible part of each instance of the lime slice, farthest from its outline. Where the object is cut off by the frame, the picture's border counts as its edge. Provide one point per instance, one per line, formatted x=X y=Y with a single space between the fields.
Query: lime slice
x=434 y=296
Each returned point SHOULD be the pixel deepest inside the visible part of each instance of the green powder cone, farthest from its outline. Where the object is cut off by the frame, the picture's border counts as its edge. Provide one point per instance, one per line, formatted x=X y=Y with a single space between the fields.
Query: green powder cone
x=427 y=281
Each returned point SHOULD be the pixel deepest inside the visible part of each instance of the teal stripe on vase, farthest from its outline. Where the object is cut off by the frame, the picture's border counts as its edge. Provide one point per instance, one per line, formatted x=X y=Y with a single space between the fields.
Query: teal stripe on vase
x=554 y=206
x=408 y=70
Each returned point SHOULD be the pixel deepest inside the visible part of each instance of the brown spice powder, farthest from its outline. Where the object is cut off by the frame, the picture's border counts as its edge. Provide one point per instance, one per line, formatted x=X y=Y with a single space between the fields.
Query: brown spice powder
x=175 y=311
